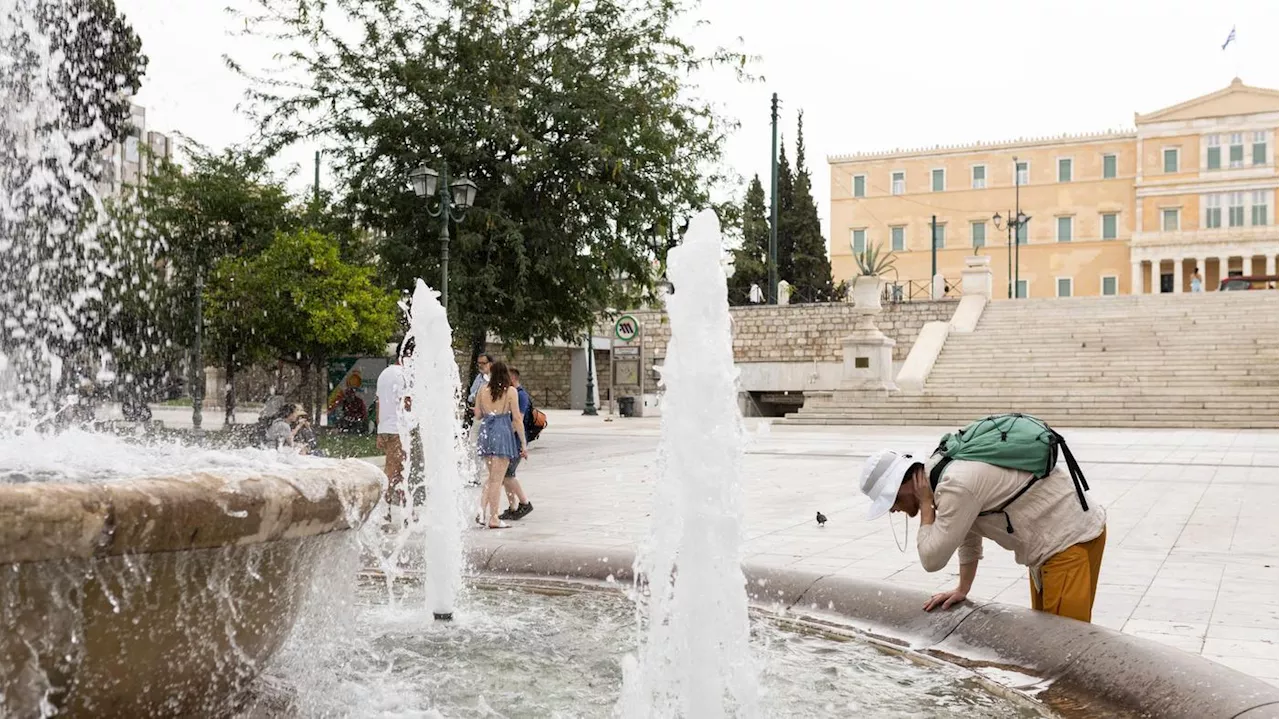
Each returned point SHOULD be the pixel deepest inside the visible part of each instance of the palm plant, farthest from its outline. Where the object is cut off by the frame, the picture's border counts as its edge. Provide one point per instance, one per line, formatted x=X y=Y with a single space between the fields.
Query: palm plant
x=873 y=261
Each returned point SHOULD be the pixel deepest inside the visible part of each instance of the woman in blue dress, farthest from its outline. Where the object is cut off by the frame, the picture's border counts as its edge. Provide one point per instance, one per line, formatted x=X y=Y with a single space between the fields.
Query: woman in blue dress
x=501 y=439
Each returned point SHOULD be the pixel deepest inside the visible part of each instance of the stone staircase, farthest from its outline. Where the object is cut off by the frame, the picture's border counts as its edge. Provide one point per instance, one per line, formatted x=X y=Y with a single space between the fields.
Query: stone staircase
x=1189 y=360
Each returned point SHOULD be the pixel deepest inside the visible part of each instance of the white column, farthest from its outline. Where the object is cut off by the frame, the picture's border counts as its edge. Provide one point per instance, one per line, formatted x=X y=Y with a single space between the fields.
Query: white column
x=1271 y=264
x=1135 y=278
x=1224 y=263
x=1177 y=275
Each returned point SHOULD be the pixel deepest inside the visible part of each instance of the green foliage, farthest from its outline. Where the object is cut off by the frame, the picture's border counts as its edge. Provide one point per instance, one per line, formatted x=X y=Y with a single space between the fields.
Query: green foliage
x=299 y=301
x=809 y=269
x=576 y=120
x=873 y=261
x=102 y=66
x=751 y=258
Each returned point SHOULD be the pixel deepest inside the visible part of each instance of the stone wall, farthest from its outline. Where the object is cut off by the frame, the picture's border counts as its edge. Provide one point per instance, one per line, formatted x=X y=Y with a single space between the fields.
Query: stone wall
x=545 y=372
x=796 y=333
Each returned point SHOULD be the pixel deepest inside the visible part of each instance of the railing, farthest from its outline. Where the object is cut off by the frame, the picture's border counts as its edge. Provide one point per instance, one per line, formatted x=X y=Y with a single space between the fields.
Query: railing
x=899 y=291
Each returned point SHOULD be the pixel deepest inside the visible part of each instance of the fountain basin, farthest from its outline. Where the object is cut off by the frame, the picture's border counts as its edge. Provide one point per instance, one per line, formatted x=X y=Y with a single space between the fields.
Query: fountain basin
x=161 y=596
x=1072 y=668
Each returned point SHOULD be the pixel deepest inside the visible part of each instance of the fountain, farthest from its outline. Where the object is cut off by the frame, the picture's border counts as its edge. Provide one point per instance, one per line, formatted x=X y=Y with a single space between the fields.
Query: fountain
x=695 y=661
x=434 y=386
x=135 y=580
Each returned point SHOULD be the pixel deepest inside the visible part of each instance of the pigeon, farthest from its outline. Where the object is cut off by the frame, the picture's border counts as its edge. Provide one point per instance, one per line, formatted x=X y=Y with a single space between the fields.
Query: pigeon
x=822 y=519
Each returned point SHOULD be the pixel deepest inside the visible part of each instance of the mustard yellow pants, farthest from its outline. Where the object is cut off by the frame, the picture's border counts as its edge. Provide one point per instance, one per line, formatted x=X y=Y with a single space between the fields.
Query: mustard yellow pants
x=1069 y=580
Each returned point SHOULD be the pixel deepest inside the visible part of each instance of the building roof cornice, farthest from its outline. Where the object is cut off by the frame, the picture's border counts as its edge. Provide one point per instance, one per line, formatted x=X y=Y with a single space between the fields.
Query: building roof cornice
x=992 y=146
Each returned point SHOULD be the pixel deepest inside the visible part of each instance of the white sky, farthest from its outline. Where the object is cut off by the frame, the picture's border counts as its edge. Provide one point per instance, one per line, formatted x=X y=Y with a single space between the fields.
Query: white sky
x=869 y=75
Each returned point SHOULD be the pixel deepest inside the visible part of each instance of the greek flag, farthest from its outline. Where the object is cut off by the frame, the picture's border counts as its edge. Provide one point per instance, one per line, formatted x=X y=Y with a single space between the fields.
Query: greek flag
x=1230 y=37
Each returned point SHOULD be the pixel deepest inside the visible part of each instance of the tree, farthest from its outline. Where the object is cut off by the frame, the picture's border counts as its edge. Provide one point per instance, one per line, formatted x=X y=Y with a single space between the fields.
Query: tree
x=576 y=120
x=751 y=258
x=302 y=303
x=225 y=204
x=786 y=218
x=810 y=268
x=102 y=67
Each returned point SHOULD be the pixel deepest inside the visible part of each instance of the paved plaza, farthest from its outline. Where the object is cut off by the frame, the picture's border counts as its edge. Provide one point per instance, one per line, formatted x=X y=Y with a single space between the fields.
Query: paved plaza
x=1192 y=519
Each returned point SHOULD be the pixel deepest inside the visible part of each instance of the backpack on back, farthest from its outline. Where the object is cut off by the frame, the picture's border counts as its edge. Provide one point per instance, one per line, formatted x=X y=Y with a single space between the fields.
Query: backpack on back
x=1012 y=441
x=535 y=420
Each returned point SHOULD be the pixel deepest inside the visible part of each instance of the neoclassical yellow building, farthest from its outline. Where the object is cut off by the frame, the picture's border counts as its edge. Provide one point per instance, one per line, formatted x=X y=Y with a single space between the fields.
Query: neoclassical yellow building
x=1194 y=186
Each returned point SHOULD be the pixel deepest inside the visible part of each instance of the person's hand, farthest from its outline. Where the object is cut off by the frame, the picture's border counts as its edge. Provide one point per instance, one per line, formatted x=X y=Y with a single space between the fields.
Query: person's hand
x=945 y=600
x=924 y=493
x=524 y=453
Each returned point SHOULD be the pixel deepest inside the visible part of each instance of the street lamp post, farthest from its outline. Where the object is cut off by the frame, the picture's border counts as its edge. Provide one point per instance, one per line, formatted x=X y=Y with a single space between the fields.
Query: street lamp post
x=1014 y=222
x=457 y=195
x=589 y=409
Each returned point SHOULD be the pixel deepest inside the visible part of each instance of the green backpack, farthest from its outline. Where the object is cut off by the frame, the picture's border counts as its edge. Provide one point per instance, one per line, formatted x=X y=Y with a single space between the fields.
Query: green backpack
x=1012 y=441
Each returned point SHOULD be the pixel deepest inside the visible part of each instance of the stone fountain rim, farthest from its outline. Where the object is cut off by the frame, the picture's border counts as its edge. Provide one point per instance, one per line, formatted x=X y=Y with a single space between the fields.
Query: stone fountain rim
x=43 y=521
x=1077 y=669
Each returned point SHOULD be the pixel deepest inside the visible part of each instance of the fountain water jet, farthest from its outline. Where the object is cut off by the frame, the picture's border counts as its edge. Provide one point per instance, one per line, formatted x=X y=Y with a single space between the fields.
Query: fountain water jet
x=432 y=374
x=695 y=660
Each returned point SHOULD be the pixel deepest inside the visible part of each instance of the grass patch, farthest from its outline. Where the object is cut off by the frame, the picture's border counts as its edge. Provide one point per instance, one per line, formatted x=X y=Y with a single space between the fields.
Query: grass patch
x=338 y=444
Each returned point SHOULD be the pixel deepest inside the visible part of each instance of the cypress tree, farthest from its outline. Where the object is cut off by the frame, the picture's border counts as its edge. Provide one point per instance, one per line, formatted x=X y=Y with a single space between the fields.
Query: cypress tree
x=751 y=258
x=810 y=268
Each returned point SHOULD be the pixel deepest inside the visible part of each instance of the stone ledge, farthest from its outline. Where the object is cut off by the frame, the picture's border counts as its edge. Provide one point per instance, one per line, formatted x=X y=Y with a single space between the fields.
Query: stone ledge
x=43 y=520
x=1091 y=671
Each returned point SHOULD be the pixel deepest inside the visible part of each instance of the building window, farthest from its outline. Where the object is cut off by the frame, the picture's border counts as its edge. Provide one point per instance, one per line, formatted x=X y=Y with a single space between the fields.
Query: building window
x=1064 y=286
x=940 y=236
x=1235 y=212
x=978 y=232
x=859 y=241
x=1237 y=150
x=898 y=235
x=1064 y=228
x=1064 y=169
x=859 y=185
x=979 y=177
x=1213 y=159
x=939 y=180
x=1212 y=211
x=1021 y=290
x=899 y=183
x=1171 y=159
x=1109 y=222
x=1109 y=285
x=1169 y=220
x=1260 y=148
x=1108 y=167
x=1024 y=174
x=131 y=149
x=1022 y=234
x=1259 y=210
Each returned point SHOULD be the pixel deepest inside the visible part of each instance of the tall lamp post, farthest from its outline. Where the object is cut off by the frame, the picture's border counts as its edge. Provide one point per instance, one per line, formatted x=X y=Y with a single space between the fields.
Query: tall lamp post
x=1013 y=222
x=589 y=409
x=454 y=199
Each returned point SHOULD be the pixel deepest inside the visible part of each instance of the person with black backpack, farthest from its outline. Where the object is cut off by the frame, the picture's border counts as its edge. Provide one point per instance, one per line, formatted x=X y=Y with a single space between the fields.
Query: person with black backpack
x=999 y=479
x=518 y=505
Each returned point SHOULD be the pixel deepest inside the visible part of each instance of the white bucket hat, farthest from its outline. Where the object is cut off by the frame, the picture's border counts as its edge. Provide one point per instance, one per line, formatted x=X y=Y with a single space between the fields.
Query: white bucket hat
x=882 y=475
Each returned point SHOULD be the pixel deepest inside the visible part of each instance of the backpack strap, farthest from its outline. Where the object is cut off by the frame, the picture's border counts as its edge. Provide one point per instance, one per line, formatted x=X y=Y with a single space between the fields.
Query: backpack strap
x=1008 y=523
x=1077 y=475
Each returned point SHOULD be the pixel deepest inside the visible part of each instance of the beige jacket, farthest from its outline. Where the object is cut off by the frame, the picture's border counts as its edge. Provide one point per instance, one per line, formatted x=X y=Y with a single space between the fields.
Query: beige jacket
x=1046 y=519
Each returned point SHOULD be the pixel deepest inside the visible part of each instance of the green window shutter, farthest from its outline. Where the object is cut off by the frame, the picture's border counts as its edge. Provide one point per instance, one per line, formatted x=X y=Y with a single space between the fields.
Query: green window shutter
x=859 y=186
x=1108 y=286
x=979 y=233
x=1064 y=229
x=1170 y=160
x=1022 y=234
x=1109 y=227
x=940 y=239
x=1064 y=170
x=1215 y=158
x=859 y=241
x=1259 y=153
x=1237 y=155
x=1108 y=167
x=939 y=180
x=899 y=235
x=1064 y=287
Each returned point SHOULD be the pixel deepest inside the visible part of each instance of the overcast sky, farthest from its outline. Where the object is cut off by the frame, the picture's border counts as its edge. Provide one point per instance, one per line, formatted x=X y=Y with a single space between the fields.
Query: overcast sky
x=869 y=75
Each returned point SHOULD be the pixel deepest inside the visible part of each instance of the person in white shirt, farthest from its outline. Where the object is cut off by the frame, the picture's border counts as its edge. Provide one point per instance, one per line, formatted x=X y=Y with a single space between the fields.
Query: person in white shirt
x=392 y=401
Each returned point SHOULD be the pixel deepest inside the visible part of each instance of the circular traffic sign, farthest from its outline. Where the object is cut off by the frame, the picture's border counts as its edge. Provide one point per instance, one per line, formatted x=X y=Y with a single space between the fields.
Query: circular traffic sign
x=626 y=328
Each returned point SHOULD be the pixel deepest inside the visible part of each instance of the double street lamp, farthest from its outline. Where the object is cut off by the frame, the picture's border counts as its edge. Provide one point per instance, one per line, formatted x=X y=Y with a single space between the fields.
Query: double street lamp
x=453 y=201
x=1013 y=222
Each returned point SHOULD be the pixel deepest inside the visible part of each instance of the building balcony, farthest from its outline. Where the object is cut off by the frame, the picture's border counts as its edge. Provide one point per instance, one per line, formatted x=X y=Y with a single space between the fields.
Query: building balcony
x=1217 y=236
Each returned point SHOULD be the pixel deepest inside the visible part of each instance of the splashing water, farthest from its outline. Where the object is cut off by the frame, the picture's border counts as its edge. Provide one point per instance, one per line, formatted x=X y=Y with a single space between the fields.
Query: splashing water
x=51 y=218
x=695 y=660
x=433 y=380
